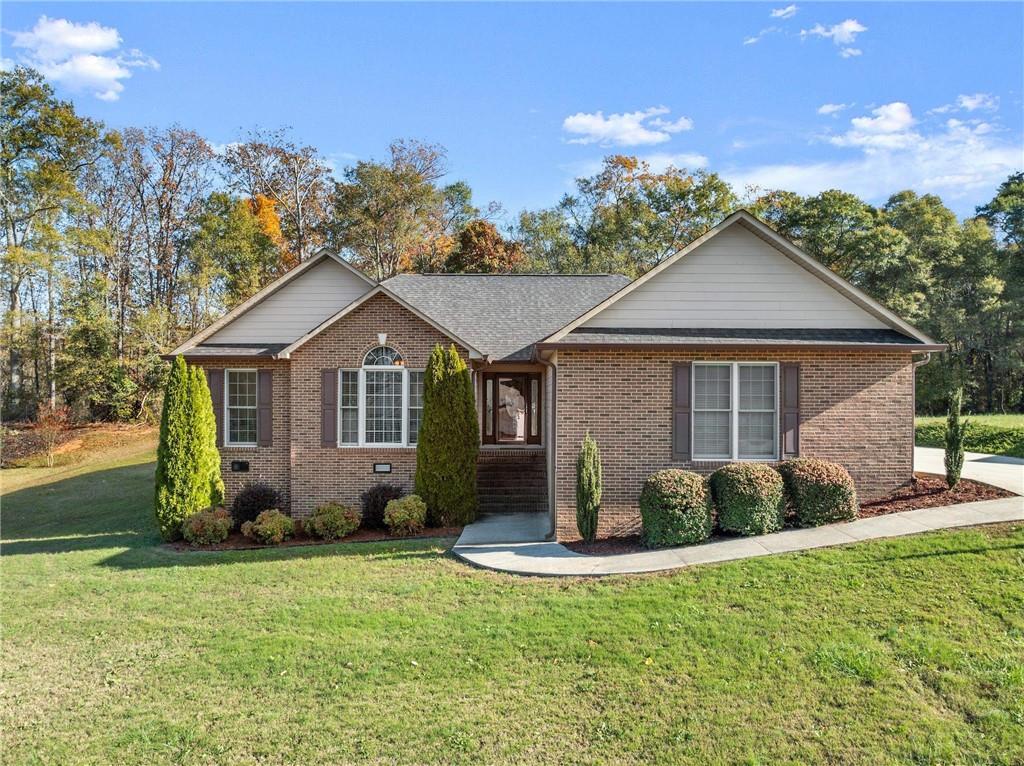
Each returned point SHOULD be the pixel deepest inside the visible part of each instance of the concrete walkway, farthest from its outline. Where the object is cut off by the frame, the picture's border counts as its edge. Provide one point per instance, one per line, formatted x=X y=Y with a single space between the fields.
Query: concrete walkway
x=515 y=543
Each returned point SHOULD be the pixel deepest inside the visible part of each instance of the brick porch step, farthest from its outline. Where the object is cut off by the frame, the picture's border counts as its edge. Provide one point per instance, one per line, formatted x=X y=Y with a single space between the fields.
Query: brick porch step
x=512 y=481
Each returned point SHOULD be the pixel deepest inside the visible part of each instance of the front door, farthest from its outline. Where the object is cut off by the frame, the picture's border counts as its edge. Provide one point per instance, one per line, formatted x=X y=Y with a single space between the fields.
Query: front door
x=511 y=411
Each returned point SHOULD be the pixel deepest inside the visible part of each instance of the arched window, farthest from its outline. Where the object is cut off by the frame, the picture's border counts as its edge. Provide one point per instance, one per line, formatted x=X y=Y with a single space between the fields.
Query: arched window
x=382 y=356
x=380 y=403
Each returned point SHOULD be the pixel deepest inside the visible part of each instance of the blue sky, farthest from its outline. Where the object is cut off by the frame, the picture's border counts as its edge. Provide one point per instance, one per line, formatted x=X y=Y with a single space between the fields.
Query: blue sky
x=867 y=97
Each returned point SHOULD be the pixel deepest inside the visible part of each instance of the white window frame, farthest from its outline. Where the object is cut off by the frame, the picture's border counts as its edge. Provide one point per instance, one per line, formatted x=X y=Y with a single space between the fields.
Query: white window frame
x=362 y=443
x=734 y=412
x=227 y=406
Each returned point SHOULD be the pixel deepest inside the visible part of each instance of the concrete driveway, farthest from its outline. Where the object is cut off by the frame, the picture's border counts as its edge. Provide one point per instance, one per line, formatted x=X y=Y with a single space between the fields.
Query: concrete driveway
x=999 y=471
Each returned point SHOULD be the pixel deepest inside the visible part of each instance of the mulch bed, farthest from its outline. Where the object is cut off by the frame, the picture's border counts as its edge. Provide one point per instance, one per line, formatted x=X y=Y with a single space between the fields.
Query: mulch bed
x=926 y=491
x=238 y=542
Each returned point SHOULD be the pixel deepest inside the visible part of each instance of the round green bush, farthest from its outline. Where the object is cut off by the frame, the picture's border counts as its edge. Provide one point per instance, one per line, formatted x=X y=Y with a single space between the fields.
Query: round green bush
x=207 y=527
x=406 y=516
x=676 y=509
x=270 y=527
x=819 y=492
x=332 y=521
x=750 y=498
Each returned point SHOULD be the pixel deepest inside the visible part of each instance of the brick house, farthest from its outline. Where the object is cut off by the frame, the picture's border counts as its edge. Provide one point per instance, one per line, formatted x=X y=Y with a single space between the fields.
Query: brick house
x=739 y=347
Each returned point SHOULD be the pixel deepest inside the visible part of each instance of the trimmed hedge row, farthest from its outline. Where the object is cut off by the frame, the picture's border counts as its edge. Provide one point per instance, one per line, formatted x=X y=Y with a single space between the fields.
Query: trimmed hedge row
x=681 y=507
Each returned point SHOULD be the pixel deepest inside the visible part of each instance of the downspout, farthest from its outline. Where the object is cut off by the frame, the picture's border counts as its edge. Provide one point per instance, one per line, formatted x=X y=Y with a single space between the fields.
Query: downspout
x=913 y=415
x=551 y=440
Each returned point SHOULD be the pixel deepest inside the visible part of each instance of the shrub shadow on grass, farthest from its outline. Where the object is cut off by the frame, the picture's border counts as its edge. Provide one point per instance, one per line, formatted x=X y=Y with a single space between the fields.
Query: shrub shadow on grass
x=100 y=509
x=160 y=556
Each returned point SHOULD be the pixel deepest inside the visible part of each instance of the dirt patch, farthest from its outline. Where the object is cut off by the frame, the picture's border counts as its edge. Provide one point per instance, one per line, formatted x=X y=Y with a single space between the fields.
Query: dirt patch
x=926 y=491
x=238 y=542
x=24 y=446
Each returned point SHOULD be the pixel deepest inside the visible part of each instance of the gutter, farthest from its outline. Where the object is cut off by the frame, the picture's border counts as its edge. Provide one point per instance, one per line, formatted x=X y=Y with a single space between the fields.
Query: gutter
x=914 y=348
x=552 y=458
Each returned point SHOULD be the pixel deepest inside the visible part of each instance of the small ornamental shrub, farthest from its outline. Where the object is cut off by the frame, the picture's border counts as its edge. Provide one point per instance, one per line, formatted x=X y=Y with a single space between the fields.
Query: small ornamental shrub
x=819 y=492
x=252 y=500
x=207 y=527
x=956 y=435
x=375 y=500
x=270 y=527
x=588 y=488
x=676 y=509
x=406 y=516
x=332 y=521
x=750 y=498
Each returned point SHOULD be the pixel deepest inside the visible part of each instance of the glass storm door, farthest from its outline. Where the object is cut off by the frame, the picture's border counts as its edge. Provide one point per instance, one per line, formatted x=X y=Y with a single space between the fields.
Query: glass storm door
x=511 y=408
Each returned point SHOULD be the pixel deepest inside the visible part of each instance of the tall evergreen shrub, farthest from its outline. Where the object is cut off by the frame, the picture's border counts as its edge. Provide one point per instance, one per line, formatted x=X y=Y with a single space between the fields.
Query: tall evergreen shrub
x=206 y=438
x=449 y=439
x=588 y=488
x=187 y=463
x=956 y=434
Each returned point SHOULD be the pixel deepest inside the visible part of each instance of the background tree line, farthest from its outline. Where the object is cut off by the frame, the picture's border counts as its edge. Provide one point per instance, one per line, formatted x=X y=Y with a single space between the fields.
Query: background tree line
x=117 y=245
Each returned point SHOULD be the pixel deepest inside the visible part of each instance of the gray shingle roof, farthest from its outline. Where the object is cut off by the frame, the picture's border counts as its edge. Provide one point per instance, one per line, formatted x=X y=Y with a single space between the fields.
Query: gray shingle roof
x=725 y=337
x=234 y=349
x=503 y=315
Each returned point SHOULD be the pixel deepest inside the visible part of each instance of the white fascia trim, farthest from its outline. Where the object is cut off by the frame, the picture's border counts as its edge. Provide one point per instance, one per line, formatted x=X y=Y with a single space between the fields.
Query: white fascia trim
x=780 y=243
x=286 y=352
x=265 y=293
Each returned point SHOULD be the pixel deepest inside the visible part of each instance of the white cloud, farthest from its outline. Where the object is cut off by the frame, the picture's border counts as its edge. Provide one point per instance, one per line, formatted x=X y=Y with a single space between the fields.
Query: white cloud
x=833 y=109
x=640 y=128
x=978 y=101
x=660 y=162
x=842 y=34
x=757 y=38
x=784 y=13
x=956 y=159
x=82 y=57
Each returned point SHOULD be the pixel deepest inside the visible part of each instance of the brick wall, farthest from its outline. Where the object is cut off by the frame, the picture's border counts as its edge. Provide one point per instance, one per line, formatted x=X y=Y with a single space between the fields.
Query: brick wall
x=856 y=408
x=267 y=464
x=319 y=474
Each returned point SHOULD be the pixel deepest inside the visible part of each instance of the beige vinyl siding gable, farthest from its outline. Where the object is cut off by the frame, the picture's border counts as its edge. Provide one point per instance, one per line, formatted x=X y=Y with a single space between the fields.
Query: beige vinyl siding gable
x=297 y=307
x=735 y=280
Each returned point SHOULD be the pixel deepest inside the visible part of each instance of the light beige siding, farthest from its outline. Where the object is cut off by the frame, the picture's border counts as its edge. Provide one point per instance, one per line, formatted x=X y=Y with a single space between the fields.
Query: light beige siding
x=738 y=280
x=296 y=308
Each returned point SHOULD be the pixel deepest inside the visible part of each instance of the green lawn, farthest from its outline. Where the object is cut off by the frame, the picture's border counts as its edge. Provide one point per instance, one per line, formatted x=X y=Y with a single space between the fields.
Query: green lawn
x=992 y=434
x=116 y=650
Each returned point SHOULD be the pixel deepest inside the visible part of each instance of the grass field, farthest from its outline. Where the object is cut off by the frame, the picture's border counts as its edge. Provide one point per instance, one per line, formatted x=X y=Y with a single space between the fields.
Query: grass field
x=116 y=650
x=992 y=434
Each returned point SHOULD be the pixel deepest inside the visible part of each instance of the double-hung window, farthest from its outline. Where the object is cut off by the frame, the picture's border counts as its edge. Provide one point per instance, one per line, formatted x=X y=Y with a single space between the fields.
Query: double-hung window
x=241 y=407
x=735 y=411
x=381 y=403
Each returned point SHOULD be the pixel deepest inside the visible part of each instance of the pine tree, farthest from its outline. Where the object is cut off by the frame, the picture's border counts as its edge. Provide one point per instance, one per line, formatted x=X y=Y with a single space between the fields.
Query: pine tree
x=956 y=434
x=449 y=439
x=588 y=488
x=205 y=431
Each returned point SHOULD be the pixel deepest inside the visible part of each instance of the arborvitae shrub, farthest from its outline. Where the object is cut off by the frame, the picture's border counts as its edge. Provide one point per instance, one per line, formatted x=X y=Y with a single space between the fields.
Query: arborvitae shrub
x=750 y=498
x=956 y=435
x=675 y=508
x=206 y=437
x=180 y=489
x=449 y=439
x=588 y=488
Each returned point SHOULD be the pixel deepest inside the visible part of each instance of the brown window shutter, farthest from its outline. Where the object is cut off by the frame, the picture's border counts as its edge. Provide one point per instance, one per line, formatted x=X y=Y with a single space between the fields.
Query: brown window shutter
x=790 y=415
x=328 y=408
x=681 y=410
x=215 y=380
x=265 y=408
